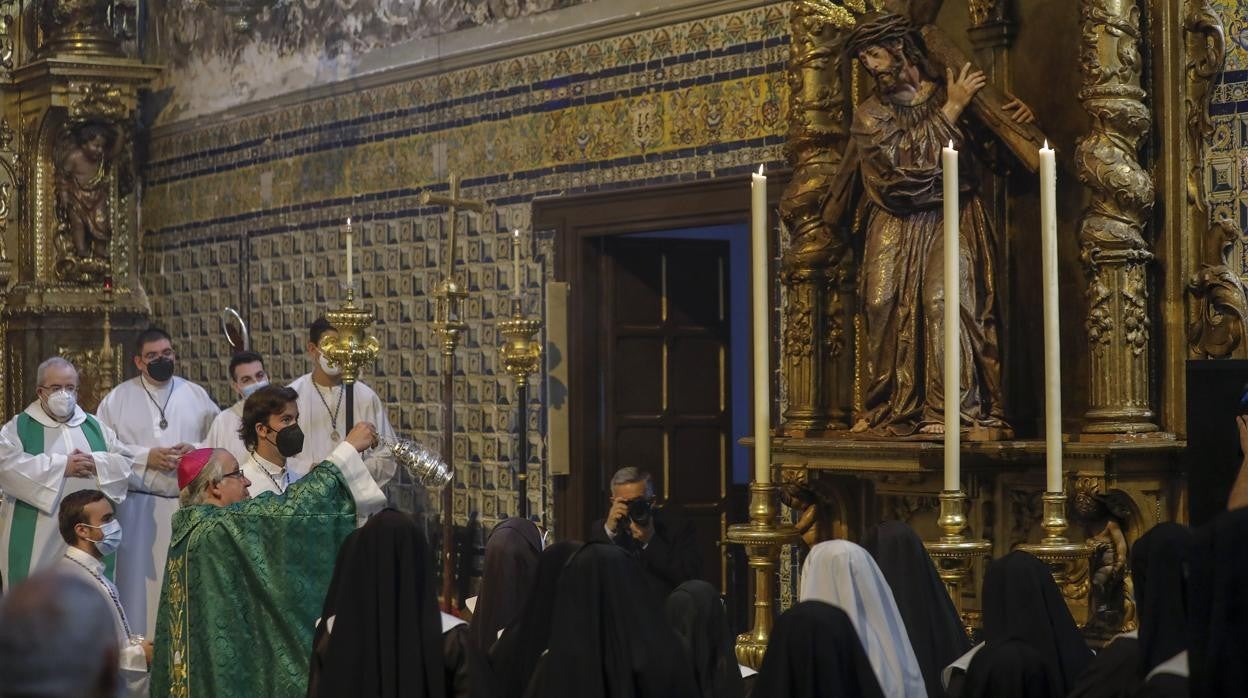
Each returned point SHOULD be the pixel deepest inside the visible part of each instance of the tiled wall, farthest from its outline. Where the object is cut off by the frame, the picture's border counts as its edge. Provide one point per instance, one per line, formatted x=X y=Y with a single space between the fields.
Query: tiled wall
x=1227 y=168
x=246 y=212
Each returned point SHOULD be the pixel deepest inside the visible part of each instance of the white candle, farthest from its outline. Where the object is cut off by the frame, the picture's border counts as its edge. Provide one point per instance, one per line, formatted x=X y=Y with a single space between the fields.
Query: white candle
x=953 y=324
x=1052 y=343
x=762 y=341
x=349 y=255
x=515 y=263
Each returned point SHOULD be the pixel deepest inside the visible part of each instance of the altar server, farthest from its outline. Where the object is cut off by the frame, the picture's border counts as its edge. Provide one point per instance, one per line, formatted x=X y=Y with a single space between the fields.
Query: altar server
x=247 y=375
x=323 y=415
x=160 y=417
x=51 y=449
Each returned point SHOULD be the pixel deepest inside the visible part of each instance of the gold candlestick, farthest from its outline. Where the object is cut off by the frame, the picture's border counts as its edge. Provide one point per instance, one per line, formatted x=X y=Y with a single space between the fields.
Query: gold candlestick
x=954 y=553
x=522 y=355
x=762 y=537
x=1070 y=562
x=350 y=348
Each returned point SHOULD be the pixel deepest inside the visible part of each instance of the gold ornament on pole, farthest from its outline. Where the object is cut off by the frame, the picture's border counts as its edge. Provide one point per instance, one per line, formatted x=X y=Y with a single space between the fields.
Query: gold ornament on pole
x=522 y=355
x=954 y=553
x=762 y=537
x=1068 y=560
x=350 y=348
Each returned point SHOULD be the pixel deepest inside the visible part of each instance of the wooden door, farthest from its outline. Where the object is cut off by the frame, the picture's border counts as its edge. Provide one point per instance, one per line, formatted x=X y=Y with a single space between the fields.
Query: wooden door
x=665 y=386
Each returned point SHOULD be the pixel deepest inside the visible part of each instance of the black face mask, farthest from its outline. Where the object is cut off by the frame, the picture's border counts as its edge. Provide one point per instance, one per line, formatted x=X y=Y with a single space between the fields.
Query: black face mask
x=161 y=369
x=289 y=441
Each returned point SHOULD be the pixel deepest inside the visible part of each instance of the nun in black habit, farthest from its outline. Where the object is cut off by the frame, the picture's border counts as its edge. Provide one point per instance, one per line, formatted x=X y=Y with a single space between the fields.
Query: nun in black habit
x=814 y=652
x=932 y=622
x=608 y=638
x=1022 y=602
x=510 y=565
x=1011 y=668
x=1218 y=606
x=381 y=631
x=697 y=614
x=514 y=658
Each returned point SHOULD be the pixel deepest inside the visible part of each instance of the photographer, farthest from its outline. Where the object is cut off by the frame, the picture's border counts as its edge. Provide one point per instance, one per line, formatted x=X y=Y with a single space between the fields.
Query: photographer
x=659 y=537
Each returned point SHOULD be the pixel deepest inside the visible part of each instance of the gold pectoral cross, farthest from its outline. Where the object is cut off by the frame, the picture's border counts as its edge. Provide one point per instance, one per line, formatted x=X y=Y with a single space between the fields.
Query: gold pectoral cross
x=454 y=204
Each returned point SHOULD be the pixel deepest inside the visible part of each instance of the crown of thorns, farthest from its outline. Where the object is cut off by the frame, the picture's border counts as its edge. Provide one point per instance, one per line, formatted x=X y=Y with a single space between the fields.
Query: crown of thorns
x=876 y=30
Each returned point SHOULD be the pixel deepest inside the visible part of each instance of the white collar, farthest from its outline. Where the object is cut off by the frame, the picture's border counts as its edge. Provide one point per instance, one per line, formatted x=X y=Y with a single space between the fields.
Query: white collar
x=961 y=664
x=1176 y=665
x=237 y=408
x=35 y=410
x=143 y=383
x=273 y=469
x=86 y=560
x=449 y=622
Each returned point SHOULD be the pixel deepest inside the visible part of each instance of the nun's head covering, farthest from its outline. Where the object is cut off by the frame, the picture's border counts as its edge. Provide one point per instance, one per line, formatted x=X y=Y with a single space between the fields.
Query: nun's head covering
x=843 y=574
x=608 y=637
x=1218 y=613
x=1022 y=602
x=515 y=656
x=696 y=613
x=510 y=565
x=814 y=652
x=932 y=622
x=1159 y=568
x=1011 y=668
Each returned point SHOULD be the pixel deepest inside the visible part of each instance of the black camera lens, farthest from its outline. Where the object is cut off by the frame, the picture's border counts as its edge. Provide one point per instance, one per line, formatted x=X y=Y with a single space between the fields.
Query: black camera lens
x=639 y=511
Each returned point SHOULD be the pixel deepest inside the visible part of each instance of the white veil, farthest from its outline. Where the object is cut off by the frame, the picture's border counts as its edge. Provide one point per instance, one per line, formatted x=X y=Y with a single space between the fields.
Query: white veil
x=843 y=574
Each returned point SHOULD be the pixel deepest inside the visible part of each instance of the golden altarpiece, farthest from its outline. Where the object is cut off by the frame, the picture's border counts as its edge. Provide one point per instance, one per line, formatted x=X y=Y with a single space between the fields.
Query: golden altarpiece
x=1122 y=89
x=68 y=191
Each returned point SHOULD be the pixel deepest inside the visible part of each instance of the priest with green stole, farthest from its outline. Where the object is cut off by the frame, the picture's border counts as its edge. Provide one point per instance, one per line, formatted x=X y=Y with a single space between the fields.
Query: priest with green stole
x=246 y=577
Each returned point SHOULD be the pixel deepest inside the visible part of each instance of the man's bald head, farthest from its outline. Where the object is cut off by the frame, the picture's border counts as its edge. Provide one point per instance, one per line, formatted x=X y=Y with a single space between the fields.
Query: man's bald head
x=57 y=639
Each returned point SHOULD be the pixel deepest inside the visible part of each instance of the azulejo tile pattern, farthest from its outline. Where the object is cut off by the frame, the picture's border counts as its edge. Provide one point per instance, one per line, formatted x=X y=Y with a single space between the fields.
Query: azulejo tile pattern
x=247 y=212
x=1226 y=171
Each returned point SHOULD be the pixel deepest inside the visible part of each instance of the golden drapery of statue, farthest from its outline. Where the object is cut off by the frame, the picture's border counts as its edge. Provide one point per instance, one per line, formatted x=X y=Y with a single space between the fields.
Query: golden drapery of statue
x=892 y=170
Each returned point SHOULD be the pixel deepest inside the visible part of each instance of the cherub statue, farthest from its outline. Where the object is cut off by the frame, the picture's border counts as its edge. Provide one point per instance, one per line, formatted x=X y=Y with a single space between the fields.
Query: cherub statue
x=83 y=209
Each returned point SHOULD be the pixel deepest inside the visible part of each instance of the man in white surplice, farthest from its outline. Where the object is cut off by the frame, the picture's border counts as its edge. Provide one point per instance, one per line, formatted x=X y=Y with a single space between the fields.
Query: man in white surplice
x=90 y=529
x=323 y=416
x=51 y=449
x=160 y=417
x=247 y=375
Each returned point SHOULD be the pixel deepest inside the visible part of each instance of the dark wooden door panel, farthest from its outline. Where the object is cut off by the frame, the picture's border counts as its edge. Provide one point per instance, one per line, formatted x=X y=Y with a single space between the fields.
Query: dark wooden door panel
x=665 y=343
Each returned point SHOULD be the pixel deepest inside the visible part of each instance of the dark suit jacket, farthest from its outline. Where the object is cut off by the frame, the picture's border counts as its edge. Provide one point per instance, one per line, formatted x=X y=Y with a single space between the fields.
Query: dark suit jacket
x=672 y=555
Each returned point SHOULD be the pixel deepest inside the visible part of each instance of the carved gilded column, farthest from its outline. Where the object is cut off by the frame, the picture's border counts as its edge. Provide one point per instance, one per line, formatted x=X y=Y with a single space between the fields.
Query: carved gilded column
x=816 y=362
x=1113 y=249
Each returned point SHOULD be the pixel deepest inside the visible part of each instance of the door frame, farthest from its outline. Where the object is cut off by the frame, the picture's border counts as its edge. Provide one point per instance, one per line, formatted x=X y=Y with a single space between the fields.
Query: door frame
x=580 y=222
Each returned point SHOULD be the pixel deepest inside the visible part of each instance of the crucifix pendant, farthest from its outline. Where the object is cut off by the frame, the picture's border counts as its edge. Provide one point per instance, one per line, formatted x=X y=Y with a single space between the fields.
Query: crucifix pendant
x=164 y=423
x=334 y=436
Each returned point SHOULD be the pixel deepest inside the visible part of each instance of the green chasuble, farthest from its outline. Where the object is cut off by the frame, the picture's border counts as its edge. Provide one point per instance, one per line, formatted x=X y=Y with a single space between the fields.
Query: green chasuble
x=243 y=588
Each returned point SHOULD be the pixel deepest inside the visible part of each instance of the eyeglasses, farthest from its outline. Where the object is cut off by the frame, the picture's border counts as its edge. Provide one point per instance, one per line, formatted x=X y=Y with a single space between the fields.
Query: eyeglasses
x=56 y=388
x=237 y=473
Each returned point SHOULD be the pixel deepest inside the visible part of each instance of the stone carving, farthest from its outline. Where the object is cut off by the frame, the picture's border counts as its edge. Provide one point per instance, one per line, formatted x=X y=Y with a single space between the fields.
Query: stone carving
x=1113 y=249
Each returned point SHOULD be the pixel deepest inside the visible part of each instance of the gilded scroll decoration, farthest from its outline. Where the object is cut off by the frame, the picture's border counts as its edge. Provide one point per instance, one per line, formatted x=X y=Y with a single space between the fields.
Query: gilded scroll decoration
x=1111 y=230
x=1206 y=56
x=1217 y=301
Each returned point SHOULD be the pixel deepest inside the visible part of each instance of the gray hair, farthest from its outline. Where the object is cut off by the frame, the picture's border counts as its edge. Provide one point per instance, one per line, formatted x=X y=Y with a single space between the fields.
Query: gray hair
x=629 y=474
x=196 y=491
x=53 y=362
x=57 y=639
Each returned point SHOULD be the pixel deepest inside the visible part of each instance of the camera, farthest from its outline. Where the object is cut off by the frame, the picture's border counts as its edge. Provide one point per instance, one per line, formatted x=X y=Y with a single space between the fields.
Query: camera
x=640 y=511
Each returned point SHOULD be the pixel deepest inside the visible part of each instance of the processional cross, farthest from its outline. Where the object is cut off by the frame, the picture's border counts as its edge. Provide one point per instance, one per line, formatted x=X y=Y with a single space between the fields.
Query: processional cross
x=447 y=323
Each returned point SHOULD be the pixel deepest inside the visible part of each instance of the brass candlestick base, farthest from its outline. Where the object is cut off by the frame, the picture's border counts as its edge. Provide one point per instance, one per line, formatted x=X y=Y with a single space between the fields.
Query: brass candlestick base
x=954 y=553
x=1069 y=561
x=350 y=348
x=762 y=537
x=522 y=352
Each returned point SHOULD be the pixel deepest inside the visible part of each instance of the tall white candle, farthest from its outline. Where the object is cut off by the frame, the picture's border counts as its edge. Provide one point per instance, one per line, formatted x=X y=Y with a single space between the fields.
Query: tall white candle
x=953 y=323
x=349 y=255
x=1052 y=338
x=762 y=341
x=515 y=263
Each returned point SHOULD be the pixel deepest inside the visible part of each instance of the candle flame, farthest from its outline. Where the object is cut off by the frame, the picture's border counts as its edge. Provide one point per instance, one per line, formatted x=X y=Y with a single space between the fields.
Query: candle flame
x=1046 y=145
x=515 y=232
x=348 y=221
x=950 y=144
x=760 y=169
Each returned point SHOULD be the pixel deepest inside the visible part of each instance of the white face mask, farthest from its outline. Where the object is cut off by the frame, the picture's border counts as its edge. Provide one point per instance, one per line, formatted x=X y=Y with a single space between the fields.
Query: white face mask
x=61 y=404
x=112 y=537
x=329 y=370
x=247 y=390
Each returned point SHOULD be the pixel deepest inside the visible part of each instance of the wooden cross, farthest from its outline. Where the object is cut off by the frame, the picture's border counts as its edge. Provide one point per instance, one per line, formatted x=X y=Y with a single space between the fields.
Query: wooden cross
x=454 y=204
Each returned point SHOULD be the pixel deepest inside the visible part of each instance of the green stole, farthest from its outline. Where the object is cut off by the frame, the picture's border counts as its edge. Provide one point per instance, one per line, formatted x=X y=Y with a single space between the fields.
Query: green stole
x=25 y=517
